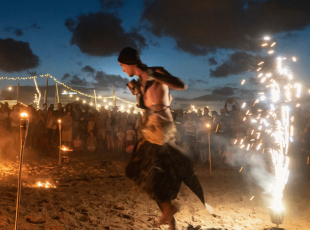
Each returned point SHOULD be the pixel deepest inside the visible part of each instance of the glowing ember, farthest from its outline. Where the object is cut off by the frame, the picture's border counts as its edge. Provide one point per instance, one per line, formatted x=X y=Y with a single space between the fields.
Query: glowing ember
x=44 y=185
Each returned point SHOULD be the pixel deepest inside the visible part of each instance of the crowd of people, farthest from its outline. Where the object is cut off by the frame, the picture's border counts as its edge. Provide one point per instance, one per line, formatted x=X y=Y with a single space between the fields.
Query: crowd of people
x=86 y=129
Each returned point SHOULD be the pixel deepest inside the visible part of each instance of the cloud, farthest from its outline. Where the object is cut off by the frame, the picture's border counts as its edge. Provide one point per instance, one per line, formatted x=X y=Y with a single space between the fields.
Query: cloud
x=225 y=91
x=226 y=24
x=89 y=70
x=34 y=26
x=79 y=63
x=17 y=31
x=238 y=63
x=106 y=81
x=78 y=81
x=194 y=82
x=32 y=73
x=65 y=76
x=254 y=80
x=101 y=34
x=212 y=61
x=16 y=56
x=107 y=4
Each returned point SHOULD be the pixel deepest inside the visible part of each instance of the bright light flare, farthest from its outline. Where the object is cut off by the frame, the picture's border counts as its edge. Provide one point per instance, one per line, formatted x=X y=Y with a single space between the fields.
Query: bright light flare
x=24 y=115
x=294 y=59
x=267 y=38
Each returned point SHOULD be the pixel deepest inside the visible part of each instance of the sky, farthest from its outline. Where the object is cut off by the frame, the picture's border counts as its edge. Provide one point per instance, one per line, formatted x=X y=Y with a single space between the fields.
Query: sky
x=210 y=45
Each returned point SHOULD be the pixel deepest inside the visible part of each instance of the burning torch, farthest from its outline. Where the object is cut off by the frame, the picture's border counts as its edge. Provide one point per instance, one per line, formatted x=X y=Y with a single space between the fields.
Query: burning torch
x=24 y=122
x=59 y=123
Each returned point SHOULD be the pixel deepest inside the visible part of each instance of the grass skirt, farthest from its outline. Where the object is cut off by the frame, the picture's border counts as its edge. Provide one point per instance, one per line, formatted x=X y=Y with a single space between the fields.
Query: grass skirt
x=160 y=169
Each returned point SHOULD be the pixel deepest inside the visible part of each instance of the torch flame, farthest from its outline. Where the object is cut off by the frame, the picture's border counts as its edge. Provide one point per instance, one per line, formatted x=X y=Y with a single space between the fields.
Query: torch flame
x=24 y=115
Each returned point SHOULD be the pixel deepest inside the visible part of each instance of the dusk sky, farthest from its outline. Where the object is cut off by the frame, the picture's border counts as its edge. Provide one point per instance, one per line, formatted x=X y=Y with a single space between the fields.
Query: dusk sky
x=209 y=44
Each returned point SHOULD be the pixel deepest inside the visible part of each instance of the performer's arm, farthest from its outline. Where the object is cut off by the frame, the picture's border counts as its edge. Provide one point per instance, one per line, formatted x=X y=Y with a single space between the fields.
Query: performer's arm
x=237 y=104
x=166 y=78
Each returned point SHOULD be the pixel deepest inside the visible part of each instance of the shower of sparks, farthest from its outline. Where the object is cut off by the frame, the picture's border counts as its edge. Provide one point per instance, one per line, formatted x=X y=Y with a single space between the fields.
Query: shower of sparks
x=272 y=126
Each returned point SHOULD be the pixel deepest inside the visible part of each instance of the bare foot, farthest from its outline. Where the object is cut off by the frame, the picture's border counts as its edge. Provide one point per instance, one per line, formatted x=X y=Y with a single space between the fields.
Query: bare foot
x=168 y=210
x=172 y=224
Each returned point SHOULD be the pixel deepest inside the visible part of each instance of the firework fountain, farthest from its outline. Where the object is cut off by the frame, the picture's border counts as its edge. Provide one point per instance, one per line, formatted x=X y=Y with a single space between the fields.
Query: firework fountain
x=272 y=121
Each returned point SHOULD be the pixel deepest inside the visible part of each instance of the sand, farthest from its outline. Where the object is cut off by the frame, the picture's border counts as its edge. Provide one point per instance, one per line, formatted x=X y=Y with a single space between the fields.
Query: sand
x=92 y=192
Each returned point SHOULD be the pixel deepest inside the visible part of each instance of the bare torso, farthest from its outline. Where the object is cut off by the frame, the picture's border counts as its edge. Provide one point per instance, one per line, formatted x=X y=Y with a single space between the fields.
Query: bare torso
x=157 y=98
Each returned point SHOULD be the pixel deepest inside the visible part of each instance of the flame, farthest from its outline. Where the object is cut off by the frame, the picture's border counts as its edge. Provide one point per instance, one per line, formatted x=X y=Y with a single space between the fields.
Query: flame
x=44 y=185
x=24 y=115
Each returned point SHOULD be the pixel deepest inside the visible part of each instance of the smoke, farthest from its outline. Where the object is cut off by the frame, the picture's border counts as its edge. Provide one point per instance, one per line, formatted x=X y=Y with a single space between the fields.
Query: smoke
x=255 y=166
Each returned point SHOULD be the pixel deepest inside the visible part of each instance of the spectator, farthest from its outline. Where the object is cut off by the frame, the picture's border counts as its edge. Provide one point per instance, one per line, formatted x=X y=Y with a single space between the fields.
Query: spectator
x=66 y=128
x=44 y=112
x=59 y=113
x=190 y=132
x=130 y=136
x=132 y=117
x=91 y=142
x=51 y=107
x=101 y=128
x=120 y=139
x=77 y=144
x=40 y=130
x=91 y=125
x=202 y=140
x=109 y=131
x=76 y=119
x=4 y=118
x=51 y=126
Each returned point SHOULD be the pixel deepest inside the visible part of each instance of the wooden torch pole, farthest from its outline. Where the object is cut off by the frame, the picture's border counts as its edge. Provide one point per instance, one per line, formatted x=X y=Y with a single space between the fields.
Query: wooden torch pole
x=59 y=122
x=24 y=122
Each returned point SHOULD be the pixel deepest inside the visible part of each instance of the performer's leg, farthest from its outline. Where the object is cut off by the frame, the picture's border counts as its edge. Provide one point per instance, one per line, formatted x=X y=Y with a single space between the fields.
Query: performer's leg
x=168 y=210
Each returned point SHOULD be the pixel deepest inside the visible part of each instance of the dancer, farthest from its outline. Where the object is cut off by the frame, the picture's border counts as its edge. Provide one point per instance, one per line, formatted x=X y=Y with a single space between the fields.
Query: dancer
x=157 y=166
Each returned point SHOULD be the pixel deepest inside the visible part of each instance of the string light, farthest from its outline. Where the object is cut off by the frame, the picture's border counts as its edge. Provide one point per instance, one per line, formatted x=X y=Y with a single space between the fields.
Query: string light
x=37 y=97
x=66 y=86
